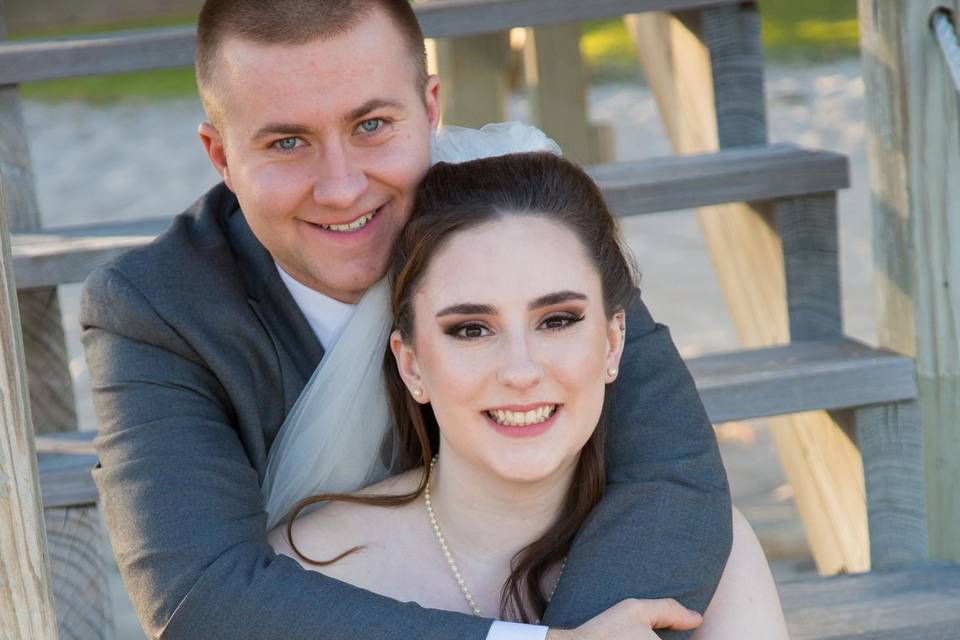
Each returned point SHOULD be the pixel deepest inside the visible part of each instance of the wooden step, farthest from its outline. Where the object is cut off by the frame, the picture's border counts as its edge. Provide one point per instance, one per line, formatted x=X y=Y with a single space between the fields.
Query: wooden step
x=32 y=61
x=67 y=255
x=803 y=376
x=920 y=602
x=734 y=386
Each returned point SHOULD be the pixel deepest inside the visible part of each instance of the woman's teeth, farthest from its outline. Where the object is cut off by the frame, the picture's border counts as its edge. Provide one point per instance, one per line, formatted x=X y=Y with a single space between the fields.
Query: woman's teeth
x=522 y=418
x=359 y=223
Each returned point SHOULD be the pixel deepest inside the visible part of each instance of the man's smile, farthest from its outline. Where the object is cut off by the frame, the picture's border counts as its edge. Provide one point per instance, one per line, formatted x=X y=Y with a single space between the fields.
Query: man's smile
x=353 y=225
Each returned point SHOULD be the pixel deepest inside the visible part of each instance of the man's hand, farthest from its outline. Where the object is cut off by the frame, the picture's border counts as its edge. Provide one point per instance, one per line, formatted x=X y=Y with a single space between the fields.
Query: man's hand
x=633 y=620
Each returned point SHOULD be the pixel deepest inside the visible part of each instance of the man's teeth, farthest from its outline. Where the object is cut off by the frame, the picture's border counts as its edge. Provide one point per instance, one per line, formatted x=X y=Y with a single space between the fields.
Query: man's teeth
x=359 y=223
x=522 y=418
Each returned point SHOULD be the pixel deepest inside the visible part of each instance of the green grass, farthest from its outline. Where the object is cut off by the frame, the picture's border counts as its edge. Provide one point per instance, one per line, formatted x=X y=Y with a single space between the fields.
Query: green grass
x=803 y=31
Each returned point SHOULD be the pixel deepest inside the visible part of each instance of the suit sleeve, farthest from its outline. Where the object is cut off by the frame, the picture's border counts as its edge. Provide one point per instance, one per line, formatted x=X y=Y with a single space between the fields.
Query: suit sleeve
x=182 y=503
x=664 y=526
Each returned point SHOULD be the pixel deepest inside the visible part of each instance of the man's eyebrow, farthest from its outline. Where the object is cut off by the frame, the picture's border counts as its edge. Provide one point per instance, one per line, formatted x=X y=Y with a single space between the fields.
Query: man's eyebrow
x=467 y=309
x=371 y=105
x=555 y=298
x=280 y=128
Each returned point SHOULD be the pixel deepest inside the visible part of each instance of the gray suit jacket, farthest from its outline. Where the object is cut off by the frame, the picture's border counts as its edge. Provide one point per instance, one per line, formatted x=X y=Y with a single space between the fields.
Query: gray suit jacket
x=197 y=351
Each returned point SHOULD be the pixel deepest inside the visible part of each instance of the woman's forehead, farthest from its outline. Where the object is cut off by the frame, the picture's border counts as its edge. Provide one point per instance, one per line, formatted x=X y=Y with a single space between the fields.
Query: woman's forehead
x=509 y=261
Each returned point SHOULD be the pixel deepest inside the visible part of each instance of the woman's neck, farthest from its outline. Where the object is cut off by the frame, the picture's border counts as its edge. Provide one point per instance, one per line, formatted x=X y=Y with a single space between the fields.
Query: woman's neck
x=487 y=518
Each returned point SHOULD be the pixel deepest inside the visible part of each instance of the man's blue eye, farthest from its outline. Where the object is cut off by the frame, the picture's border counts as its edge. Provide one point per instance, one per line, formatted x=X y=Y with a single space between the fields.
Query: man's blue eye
x=371 y=126
x=287 y=144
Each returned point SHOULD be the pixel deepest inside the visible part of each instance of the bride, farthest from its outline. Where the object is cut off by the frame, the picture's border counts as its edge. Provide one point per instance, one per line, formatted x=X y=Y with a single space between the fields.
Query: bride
x=506 y=323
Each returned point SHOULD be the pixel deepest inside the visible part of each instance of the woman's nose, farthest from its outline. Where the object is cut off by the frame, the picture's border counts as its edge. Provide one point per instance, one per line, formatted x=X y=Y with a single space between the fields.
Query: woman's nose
x=340 y=182
x=520 y=368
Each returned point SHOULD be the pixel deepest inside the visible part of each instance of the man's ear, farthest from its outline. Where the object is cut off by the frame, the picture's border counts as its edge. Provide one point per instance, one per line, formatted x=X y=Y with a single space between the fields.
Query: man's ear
x=616 y=339
x=408 y=368
x=213 y=145
x=432 y=100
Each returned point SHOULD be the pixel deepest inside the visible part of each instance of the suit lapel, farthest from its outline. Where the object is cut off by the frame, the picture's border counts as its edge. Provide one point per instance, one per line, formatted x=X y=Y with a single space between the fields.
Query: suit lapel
x=270 y=299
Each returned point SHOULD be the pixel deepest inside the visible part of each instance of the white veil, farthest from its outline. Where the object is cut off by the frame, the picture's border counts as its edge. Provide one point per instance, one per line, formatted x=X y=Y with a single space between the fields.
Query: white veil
x=336 y=437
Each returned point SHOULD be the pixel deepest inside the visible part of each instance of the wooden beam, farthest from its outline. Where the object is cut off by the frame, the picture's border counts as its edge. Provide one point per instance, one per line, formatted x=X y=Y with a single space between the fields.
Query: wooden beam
x=557 y=87
x=51 y=386
x=914 y=151
x=26 y=597
x=473 y=79
x=710 y=101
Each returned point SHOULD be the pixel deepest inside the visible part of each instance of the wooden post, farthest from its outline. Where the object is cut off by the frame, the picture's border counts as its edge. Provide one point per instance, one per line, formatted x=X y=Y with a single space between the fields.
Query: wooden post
x=914 y=150
x=711 y=101
x=76 y=542
x=557 y=86
x=26 y=599
x=51 y=387
x=472 y=69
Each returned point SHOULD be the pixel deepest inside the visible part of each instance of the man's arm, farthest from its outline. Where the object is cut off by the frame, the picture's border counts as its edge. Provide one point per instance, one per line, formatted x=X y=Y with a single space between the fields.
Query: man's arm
x=183 y=505
x=664 y=526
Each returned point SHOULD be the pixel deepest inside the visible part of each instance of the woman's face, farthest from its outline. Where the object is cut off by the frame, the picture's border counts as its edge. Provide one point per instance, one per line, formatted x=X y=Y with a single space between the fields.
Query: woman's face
x=512 y=346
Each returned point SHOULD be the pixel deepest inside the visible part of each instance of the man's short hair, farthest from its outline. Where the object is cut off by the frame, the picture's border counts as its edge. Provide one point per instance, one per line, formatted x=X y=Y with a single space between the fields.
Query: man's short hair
x=293 y=22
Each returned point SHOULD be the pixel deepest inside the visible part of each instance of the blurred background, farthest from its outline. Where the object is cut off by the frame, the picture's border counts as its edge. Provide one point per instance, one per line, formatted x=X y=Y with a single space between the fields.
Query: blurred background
x=124 y=146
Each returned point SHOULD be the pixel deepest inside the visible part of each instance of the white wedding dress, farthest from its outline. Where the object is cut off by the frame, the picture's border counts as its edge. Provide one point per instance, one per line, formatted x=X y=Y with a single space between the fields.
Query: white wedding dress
x=338 y=437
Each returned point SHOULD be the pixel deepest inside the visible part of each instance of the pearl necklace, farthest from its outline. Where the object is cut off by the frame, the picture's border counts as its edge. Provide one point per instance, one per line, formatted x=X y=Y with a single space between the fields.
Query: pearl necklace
x=446 y=549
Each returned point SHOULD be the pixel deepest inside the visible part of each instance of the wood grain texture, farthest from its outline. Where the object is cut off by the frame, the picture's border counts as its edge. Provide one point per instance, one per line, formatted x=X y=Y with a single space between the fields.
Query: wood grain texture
x=80 y=570
x=890 y=438
x=26 y=598
x=914 y=155
x=914 y=601
x=473 y=75
x=817 y=374
x=557 y=87
x=701 y=66
x=51 y=385
x=809 y=234
x=61 y=256
x=22 y=62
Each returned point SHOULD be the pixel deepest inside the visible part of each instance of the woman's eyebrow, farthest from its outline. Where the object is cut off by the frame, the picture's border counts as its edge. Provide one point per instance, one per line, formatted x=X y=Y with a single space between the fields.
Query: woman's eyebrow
x=555 y=298
x=372 y=105
x=467 y=309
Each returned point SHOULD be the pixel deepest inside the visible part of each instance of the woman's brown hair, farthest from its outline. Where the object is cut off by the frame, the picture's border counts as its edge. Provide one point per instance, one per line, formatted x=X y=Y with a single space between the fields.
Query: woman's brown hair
x=456 y=197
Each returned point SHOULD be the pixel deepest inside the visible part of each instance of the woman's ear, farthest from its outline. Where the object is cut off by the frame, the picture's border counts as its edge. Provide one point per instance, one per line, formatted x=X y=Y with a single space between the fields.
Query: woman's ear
x=616 y=339
x=407 y=367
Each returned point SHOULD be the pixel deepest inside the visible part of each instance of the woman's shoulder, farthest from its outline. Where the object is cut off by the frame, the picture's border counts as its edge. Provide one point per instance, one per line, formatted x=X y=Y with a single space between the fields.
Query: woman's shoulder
x=326 y=532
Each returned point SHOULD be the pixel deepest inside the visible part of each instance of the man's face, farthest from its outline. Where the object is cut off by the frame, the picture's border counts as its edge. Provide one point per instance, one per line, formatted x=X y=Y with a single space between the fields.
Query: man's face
x=324 y=144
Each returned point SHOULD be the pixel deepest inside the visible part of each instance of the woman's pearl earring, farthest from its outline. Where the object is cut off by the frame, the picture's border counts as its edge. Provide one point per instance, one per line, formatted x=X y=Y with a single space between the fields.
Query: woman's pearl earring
x=418 y=393
x=611 y=372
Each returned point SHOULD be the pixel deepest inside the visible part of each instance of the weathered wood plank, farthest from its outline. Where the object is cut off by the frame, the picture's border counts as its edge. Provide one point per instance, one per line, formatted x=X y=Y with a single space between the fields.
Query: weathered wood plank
x=60 y=256
x=706 y=72
x=809 y=235
x=26 y=598
x=32 y=61
x=51 y=386
x=817 y=374
x=890 y=439
x=80 y=568
x=917 y=601
x=473 y=75
x=557 y=86
x=914 y=150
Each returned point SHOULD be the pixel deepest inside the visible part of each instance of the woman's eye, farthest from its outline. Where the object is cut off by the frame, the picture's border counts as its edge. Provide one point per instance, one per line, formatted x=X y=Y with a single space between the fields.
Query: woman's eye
x=555 y=323
x=471 y=331
x=371 y=126
x=287 y=144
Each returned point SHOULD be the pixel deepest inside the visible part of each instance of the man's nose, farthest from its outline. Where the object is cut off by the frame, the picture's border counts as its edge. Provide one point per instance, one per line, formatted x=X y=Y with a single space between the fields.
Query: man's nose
x=520 y=368
x=340 y=182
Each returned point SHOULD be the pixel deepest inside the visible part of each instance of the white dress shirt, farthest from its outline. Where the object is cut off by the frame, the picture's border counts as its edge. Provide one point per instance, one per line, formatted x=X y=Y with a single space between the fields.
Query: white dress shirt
x=327 y=318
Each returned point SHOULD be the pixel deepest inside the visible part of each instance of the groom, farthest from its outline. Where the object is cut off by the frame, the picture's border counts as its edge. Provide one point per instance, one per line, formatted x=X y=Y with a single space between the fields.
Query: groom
x=320 y=114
